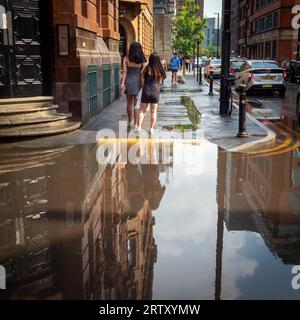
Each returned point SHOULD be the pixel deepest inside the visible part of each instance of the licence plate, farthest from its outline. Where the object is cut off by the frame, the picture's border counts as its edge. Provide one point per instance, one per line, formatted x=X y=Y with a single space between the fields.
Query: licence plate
x=267 y=86
x=268 y=78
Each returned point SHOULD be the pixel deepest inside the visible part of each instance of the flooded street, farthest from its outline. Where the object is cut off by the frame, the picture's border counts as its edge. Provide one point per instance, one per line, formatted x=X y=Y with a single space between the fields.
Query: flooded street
x=199 y=223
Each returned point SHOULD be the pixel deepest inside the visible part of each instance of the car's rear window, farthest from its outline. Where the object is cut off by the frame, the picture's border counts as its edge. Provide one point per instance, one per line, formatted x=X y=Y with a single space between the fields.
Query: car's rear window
x=264 y=65
x=215 y=62
x=237 y=64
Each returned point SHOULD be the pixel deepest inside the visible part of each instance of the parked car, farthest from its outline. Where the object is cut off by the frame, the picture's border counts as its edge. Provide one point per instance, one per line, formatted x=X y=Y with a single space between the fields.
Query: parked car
x=215 y=66
x=261 y=75
x=198 y=62
x=235 y=65
x=298 y=107
x=294 y=71
x=286 y=65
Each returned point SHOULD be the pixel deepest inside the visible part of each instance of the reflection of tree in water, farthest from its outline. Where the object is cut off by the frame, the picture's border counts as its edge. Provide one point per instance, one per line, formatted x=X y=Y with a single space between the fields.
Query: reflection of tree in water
x=73 y=229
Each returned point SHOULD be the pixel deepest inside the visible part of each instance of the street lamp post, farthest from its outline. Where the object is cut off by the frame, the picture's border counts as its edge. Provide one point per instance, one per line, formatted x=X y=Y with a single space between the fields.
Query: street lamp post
x=226 y=35
x=218 y=34
x=298 y=47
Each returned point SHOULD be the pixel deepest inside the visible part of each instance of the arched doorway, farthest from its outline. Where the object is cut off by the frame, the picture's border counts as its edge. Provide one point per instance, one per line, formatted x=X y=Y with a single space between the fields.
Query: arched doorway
x=21 y=48
x=123 y=42
x=127 y=35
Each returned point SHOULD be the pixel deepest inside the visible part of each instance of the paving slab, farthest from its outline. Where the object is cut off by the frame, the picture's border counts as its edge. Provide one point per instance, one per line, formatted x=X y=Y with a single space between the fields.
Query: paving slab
x=173 y=114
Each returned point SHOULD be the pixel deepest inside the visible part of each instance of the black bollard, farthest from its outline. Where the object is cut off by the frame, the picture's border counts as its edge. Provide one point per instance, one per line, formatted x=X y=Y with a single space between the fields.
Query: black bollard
x=200 y=74
x=242 y=113
x=211 y=83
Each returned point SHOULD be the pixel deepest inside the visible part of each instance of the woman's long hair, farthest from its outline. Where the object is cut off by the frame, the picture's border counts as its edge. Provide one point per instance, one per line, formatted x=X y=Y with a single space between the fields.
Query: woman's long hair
x=154 y=67
x=136 y=54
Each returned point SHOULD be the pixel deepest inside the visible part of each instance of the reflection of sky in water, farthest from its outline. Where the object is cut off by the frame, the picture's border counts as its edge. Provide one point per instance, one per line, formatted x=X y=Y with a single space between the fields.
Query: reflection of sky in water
x=186 y=234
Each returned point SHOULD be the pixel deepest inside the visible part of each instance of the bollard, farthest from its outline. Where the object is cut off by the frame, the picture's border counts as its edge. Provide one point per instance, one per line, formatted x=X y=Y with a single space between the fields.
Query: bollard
x=211 y=83
x=242 y=112
x=200 y=74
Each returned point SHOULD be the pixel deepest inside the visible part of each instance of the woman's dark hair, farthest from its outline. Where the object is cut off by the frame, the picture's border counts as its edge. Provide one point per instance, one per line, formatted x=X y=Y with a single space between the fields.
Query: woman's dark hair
x=136 y=53
x=154 y=67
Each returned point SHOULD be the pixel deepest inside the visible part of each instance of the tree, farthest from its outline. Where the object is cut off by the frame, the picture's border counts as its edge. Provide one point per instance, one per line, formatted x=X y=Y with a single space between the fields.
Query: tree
x=212 y=49
x=188 y=28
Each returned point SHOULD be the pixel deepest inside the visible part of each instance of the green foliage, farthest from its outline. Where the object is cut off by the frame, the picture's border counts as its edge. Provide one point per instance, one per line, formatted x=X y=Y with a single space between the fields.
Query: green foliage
x=212 y=50
x=188 y=28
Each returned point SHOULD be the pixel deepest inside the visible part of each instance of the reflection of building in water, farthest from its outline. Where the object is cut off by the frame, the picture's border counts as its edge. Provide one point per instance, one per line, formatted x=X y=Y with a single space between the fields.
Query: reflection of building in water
x=262 y=194
x=73 y=229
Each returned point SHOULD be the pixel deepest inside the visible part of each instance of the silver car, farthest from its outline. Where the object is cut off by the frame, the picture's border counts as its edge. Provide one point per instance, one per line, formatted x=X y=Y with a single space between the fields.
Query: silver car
x=261 y=75
x=214 y=66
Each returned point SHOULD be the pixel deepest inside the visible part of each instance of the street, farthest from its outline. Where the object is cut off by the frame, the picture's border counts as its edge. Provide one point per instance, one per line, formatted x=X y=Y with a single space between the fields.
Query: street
x=199 y=223
x=276 y=112
x=126 y=174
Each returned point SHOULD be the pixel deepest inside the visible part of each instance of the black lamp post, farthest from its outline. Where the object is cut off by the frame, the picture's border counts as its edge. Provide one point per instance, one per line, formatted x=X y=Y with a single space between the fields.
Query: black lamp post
x=226 y=37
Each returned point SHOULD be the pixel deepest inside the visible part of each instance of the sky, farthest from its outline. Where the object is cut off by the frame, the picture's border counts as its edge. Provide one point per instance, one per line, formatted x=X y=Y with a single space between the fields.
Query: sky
x=212 y=6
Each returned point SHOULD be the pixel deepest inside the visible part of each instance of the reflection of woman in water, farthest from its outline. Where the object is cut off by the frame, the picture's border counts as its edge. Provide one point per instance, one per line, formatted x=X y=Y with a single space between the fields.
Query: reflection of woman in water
x=143 y=184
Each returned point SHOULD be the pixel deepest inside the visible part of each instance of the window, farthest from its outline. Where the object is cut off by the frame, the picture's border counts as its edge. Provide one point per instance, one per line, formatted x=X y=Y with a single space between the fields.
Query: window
x=276 y=20
x=261 y=24
x=256 y=26
x=268 y=50
x=274 y=50
x=269 y=22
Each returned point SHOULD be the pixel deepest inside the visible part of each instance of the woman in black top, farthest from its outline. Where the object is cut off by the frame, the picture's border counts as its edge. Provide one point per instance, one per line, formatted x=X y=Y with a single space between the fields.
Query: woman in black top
x=152 y=77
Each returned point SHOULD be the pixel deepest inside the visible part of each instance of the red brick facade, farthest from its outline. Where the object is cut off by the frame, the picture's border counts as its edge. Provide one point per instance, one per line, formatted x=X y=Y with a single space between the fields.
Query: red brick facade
x=78 y=84
x=265 y=29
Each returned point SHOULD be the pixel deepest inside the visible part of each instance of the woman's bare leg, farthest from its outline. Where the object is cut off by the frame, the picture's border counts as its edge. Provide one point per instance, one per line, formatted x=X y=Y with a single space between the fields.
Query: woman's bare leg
x=142 y=113
x=136 y=112
x=153 y=115
x=129 y=108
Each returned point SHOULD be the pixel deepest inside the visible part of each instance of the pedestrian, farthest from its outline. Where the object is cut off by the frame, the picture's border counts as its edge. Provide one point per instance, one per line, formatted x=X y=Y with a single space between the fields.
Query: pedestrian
x=175 y=65
x=133 y=66
x=164 y=64
x=152 y=77
x=187 y=63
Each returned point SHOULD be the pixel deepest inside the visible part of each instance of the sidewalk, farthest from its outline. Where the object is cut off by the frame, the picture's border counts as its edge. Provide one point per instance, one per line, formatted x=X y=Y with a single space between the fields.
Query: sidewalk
x=177 y=111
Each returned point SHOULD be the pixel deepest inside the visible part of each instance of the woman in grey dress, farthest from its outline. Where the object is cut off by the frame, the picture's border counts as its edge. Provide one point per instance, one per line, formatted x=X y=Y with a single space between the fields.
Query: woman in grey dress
x=133 y=66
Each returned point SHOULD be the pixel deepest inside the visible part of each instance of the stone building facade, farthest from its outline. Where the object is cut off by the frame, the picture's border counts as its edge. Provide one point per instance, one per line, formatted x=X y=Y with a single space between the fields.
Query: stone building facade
x=163 y=14
x=87 y=79
x=136 y=24
x=77 y=229
x=62 y=62
x=265 y=29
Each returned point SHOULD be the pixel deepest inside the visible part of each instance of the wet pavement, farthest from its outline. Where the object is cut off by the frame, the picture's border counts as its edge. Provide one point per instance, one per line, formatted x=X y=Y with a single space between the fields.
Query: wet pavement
x=199 y=223
x=143 y=219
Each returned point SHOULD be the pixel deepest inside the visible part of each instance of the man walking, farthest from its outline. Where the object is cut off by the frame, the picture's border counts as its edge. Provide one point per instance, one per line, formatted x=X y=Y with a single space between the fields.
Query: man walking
x=175 y=65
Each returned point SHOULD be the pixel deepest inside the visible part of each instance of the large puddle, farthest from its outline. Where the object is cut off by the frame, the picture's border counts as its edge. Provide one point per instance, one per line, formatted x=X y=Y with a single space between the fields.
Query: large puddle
x=193 y=222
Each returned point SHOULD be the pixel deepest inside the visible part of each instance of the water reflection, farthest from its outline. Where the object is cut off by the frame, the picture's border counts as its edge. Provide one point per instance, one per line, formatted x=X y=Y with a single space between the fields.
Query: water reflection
x=74 y=229
x=71 y=228
x=262 y=197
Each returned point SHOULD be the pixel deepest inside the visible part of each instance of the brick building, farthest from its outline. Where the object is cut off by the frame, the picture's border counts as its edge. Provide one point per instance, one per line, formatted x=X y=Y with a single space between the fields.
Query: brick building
x=64 y=56
x=265 y=29
x=234 y=25
x=84 y=230
x=163 y=14
x=136 y=24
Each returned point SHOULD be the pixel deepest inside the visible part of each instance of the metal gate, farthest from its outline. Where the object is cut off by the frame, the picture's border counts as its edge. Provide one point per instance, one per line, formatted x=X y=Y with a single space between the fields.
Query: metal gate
x=20 y=49
x=117 y=80
x=106 y=85
x=93 y=90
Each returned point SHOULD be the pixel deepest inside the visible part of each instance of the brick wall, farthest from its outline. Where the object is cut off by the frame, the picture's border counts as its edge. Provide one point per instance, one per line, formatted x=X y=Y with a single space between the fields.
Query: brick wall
x=94 y=41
